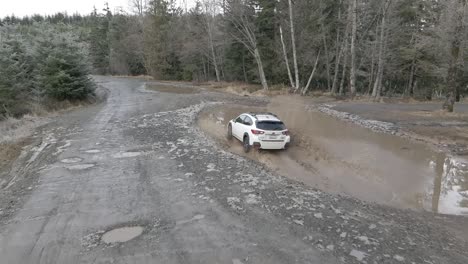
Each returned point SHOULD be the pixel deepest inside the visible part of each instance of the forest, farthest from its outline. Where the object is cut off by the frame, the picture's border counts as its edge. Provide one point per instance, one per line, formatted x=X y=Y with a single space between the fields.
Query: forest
x=374 y=48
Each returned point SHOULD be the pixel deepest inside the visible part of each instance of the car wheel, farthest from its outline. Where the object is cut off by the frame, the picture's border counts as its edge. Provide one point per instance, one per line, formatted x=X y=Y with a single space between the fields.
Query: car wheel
x=229 y=132
x=246 y=144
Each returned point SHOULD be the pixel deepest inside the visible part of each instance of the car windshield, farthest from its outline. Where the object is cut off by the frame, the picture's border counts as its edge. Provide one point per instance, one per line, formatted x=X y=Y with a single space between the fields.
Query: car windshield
x=271 y=125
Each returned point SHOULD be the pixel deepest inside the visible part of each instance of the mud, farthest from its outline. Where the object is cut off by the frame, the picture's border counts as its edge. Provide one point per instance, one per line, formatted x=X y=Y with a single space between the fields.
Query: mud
x=343 y=158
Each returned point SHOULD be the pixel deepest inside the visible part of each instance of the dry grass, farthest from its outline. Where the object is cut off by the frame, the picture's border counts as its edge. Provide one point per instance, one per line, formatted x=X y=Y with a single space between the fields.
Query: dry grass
x=14 y=135
x=12 y=129
x=9 y=152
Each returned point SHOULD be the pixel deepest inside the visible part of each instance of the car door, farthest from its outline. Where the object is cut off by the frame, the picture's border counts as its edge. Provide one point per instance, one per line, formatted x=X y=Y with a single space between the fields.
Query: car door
x=246 y=126
x=237 y=126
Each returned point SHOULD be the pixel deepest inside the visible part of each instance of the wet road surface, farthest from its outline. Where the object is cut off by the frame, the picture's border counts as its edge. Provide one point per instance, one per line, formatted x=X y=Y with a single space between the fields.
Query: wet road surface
x=135 y=181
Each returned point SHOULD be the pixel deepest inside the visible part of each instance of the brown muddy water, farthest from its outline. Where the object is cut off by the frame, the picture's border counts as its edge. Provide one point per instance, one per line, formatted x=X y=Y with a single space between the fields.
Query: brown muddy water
x=343 y=158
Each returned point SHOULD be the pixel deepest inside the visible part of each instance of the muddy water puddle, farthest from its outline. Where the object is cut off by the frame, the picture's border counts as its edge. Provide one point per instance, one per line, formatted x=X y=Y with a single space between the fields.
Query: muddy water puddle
x=166 y=88
x=122 y=234
x=343 y=158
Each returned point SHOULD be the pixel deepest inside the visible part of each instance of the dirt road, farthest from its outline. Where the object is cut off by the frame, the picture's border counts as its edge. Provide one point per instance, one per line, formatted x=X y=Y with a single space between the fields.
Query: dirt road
x=135 y=180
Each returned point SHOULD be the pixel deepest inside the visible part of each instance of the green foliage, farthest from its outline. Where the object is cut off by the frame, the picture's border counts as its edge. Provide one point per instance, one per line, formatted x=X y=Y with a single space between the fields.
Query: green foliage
x=62 y=72
x=99 y=44
x=15 y=69
x=38 y=62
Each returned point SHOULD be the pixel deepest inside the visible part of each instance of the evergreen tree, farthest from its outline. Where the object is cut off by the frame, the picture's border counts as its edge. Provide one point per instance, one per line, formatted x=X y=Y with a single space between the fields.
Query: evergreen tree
x=15 y=80
x=98 y=41
x=62 y=70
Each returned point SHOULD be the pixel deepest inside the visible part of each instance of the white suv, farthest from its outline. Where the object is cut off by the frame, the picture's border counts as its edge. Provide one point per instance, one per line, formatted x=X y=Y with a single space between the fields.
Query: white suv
x=259 y=130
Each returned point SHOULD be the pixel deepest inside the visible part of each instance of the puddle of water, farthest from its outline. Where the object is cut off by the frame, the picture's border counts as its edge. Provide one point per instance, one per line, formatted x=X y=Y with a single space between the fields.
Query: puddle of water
x=72 y=160
x=340 y=157
x=122 y=155
x=171 y=89
x=121 y=235
x=81 y=166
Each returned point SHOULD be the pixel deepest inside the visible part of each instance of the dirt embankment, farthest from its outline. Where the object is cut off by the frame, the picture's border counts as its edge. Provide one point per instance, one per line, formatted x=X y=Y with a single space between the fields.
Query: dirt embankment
x=343 y=158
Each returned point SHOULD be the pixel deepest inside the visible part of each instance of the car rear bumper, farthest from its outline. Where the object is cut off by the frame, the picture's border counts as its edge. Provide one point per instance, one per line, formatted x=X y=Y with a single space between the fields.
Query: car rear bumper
x=265 y=144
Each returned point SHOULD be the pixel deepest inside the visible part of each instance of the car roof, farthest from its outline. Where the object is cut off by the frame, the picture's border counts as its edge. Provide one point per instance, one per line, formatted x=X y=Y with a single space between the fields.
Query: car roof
x=264 y=116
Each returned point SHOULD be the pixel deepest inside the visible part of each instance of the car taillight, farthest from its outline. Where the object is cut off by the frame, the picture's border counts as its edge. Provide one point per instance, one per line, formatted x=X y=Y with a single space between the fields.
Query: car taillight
x=257 y=132
x=286 y=133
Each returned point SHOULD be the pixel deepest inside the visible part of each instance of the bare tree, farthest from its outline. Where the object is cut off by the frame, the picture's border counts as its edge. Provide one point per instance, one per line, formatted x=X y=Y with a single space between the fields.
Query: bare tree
x=455 y=14
x=139 y=6
x=210 y=11
x=286 y=60
x=293 y=41
x=353 y=49
x=241 y=19
x=306 y=88
x=340 y=48
x=380 y=67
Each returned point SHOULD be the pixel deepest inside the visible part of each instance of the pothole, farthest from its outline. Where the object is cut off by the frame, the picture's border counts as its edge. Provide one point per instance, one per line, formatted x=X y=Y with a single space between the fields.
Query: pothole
x=72 y=160
x=122 y=155
x=123 y=234
x=81 y=166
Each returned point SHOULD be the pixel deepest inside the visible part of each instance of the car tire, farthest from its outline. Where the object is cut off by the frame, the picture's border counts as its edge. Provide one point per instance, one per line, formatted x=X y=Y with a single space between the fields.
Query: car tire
x=246 y=144
x=229 y=132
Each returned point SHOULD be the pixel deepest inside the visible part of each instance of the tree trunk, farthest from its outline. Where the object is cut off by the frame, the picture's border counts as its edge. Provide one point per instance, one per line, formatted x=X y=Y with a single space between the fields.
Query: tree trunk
x=372 y=70
x=215 y=64
x=455 y=64
x=243 y=69
x=327 y=60
x=306 y=88
x=261 y=72
x=204 y=71
x=339 y=53
x=286 y=60
x=378 y=80
x=213 y=54
x=409 y=90
x=345 y=64
x=353 y=50
x=293 y=40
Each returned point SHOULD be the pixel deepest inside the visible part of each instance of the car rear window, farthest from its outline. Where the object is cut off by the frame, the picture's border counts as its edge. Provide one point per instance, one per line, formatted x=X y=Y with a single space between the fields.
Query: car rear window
x=271 y=125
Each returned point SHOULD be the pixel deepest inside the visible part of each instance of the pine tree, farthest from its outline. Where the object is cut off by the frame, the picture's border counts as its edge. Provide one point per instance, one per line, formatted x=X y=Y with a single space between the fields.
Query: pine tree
x=98 y=41
x=15 y=79
x=62 y=71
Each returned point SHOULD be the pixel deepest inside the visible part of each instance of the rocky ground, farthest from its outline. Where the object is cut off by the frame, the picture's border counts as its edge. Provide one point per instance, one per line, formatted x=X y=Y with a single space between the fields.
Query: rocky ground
x=140 y=160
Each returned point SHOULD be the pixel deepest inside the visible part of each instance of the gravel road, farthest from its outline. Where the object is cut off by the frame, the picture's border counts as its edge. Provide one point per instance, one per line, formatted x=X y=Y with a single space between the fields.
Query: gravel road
x=134 y=180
